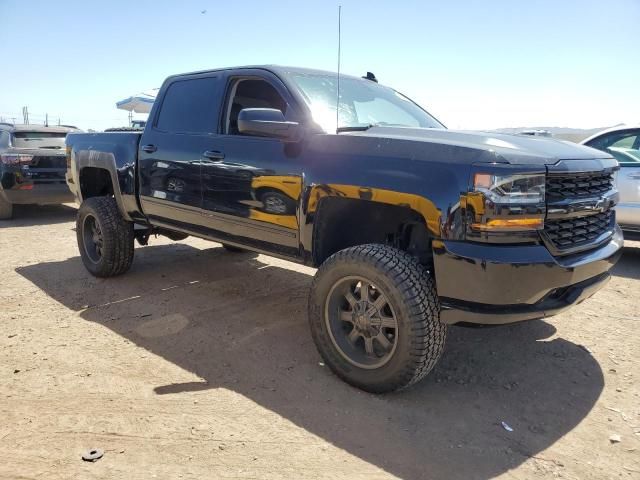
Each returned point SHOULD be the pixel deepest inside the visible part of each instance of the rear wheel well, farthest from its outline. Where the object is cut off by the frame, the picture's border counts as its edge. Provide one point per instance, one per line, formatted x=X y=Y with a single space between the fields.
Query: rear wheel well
x=341 y=223
x=95 y=182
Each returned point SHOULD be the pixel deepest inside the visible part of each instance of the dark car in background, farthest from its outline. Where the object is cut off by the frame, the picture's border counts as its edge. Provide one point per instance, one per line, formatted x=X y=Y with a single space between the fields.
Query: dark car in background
x=32 y=166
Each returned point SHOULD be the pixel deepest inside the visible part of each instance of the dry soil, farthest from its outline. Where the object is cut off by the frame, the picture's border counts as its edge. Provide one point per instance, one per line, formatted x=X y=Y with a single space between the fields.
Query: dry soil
x=198 y=364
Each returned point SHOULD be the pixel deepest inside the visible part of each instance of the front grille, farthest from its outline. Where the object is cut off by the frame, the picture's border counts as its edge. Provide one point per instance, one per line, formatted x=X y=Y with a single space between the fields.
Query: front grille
x=570 y=233
x=577 y=185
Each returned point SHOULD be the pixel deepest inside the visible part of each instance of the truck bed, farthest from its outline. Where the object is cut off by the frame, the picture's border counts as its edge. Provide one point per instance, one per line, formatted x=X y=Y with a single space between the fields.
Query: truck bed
x=115 y=152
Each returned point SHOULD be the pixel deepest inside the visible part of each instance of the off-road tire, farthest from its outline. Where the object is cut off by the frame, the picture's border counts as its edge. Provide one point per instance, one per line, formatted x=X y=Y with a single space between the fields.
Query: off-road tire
x=412 y=294
x=6 y=209
x=232 y=248
x=117 y=241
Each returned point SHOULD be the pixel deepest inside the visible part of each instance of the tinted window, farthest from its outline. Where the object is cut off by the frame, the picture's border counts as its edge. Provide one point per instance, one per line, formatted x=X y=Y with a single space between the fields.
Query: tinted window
x=252 y=94
x=38 y=139
x=190 y=106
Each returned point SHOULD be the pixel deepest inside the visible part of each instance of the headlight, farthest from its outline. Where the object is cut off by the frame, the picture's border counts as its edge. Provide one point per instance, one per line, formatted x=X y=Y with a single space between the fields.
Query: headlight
x=507 y=203
x=522 y=189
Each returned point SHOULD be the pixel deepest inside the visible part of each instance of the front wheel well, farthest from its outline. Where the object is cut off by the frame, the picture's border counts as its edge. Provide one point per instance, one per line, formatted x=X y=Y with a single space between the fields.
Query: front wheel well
x=342 y=223
x=95 y=182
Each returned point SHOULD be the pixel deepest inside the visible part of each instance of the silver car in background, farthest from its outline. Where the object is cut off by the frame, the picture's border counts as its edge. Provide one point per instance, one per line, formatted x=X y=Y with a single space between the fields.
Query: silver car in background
x=624 y=144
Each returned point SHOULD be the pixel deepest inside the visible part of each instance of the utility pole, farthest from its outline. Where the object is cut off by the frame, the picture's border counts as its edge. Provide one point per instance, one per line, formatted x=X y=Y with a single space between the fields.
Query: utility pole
x=25 y=115
x=46 y=119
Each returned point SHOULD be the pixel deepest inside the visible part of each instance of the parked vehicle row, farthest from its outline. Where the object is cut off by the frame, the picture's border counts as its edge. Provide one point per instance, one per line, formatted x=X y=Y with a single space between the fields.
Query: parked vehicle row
x=413 y=227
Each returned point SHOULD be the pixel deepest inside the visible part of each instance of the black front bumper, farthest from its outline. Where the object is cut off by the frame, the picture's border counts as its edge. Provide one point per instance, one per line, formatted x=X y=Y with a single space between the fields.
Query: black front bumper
x=494 y=284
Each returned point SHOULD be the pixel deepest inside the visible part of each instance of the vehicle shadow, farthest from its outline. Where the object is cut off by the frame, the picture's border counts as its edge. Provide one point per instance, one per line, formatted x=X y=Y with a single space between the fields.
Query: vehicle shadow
x=629 y=264
x=30 y=215
x=240 y=324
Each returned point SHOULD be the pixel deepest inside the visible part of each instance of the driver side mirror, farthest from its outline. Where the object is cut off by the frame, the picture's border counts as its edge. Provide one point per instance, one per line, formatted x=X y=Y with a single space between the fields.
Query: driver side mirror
x=267 y=122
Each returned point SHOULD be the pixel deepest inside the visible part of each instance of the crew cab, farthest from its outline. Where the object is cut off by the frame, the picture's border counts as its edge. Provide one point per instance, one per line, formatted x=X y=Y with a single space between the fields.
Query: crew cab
x=413 y=227
x=32 y=166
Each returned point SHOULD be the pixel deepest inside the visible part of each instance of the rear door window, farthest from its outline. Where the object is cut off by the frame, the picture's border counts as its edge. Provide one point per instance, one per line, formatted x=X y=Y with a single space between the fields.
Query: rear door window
x=190 y=106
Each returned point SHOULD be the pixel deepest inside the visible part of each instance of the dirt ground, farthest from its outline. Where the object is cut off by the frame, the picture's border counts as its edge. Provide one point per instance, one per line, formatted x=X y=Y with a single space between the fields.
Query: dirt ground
x=198 y=364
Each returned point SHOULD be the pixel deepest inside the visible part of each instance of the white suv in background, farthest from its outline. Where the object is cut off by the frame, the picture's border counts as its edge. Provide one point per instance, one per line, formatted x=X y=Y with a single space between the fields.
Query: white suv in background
x=624 y=144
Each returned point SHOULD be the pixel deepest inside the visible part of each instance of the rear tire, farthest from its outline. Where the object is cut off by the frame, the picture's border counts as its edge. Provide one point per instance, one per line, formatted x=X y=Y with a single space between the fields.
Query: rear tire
x=374 y=317
x=105 y=239
x=6 y=209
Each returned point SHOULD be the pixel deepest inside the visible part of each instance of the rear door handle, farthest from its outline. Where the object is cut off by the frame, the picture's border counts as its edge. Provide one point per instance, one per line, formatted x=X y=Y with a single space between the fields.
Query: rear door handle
x=213 y=155
x=149 y=148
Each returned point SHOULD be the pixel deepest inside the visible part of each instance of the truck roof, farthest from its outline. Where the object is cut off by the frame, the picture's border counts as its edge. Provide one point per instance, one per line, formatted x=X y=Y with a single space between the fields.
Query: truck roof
x=276 y=69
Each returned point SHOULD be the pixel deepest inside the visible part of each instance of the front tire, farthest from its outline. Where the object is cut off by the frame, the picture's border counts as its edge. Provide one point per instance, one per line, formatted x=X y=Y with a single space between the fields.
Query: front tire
x=6 y=209
x=105 y=239
x=374 y=317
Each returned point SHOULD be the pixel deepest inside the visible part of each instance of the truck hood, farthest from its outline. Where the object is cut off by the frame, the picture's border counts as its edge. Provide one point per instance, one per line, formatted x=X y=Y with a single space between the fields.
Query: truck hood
x=514 y=149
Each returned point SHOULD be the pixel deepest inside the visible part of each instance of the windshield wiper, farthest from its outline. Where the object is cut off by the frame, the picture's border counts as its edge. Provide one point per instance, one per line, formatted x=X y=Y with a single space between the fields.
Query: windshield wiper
x=357 y=128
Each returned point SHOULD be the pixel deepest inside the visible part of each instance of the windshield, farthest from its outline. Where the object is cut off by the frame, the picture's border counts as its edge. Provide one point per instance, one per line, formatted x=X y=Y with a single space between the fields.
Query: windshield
x=362 y=103
x=39 y=139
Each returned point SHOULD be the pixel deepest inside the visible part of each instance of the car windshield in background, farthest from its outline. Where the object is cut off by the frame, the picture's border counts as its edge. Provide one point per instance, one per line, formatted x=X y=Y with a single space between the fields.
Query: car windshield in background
x=39 y=139
x=363 y=103
x=624 y=146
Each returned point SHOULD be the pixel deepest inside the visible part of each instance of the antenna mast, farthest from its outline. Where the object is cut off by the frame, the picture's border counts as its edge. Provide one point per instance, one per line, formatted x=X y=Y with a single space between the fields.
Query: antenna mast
x=338 y=87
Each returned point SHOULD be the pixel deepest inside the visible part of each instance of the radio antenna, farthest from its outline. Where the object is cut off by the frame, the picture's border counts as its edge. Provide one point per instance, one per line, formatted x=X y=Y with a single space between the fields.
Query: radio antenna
x=338 y=86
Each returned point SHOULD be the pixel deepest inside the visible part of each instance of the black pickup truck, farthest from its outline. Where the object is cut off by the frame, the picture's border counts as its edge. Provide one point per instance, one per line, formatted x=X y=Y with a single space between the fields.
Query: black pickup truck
x=413 y=227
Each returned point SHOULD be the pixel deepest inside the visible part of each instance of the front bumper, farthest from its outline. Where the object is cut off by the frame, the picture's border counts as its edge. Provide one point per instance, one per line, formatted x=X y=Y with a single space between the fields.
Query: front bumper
x=494 y=284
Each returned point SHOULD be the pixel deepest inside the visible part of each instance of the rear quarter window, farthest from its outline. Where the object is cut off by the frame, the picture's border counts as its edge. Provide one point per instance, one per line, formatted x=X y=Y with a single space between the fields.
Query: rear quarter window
x=190 y=106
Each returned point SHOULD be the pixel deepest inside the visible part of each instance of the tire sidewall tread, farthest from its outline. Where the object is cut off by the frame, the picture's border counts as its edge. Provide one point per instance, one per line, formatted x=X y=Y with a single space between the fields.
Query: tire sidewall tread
x=118 y=237
x=411 y=291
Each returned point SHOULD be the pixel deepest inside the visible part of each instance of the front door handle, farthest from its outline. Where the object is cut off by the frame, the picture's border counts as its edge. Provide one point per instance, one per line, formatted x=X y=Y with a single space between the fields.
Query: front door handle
x=634 y=175
x=149 y=148
x=213 y=155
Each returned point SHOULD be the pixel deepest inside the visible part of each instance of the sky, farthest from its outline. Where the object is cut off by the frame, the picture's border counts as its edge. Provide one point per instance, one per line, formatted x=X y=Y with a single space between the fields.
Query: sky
x=472 y=64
